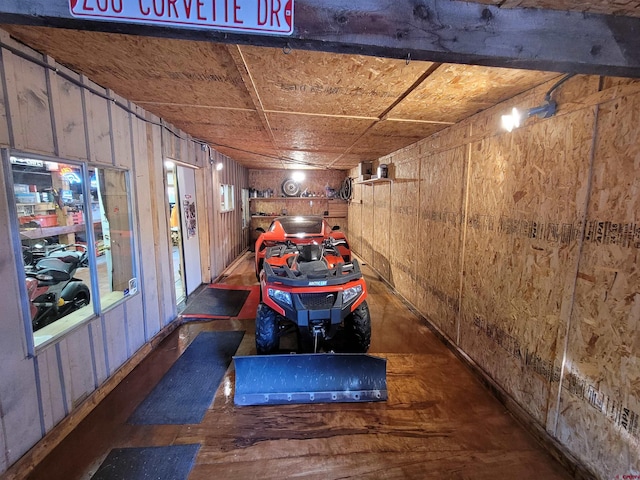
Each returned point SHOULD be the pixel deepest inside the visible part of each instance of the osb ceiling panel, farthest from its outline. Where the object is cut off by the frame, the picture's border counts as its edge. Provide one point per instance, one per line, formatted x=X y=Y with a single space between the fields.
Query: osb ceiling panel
x=268 y=109
x=317 y=82
x=455 y=92
x=222 y=124
x=145 y=69
x=309 y=158
x=316 y=132
x=388 y=136
x=606 y=7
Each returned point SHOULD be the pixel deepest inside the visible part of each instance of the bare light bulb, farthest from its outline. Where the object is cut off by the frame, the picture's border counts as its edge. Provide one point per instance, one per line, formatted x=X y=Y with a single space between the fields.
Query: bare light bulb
x=509 y=122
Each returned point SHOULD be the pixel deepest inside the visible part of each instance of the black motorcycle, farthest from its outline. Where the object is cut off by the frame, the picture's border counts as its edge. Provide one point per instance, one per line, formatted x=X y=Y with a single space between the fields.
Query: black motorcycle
x=53 y=290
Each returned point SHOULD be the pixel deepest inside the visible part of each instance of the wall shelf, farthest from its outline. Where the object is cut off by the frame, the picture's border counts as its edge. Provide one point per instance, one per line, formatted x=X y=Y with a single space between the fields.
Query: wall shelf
x=277 y=216
x=35 y=233
x=375 y=181
x=270 y=199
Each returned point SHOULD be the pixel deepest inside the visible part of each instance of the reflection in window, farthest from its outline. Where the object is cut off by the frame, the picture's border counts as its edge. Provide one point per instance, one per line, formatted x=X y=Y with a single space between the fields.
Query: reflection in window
x=49 y=203
x=226 y=198
x=112 y=226
x=53 y=205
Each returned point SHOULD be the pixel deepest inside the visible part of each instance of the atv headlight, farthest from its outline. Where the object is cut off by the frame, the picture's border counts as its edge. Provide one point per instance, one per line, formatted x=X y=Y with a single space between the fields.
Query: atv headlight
x=351 y=293
x=280 y=296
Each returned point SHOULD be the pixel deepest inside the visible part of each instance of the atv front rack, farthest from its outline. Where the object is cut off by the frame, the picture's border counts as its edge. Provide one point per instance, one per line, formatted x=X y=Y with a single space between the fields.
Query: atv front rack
x=339 y=275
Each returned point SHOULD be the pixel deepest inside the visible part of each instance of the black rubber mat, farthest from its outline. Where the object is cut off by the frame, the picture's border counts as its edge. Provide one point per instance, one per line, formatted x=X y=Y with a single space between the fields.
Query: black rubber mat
x=185 y=392
x=148 y=463
x=217 y=302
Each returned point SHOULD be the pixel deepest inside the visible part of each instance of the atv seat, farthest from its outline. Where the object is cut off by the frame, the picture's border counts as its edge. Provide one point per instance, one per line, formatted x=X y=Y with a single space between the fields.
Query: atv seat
x=316 y=268
x=310 y=253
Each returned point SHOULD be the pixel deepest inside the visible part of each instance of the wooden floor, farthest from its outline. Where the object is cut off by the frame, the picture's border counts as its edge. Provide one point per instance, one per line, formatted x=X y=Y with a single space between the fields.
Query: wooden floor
x=439 y=421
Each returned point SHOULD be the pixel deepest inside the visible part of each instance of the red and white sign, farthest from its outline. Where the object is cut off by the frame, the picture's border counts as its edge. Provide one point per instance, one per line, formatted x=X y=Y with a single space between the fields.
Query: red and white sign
x=238 y=16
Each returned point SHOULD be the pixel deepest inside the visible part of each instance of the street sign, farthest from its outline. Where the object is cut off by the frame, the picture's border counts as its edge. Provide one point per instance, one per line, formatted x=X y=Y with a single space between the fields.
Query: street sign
x=238 y=16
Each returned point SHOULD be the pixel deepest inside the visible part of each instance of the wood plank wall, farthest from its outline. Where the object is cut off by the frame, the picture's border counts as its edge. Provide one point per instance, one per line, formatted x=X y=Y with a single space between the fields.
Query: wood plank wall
x=522 y=249
x=315 y=182
x=230 y=238
x=43 y=113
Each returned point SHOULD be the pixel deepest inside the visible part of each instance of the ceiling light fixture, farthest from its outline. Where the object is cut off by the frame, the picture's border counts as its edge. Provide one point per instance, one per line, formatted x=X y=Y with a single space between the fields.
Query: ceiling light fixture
x=546 y=110
x=219 y=166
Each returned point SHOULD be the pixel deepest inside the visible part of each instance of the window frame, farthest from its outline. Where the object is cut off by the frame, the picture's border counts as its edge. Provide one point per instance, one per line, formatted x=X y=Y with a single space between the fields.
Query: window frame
x=16 y=244
x=228 y=196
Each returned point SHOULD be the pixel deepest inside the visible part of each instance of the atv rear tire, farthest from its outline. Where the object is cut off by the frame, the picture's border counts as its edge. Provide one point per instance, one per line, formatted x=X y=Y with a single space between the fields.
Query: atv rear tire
x=267 y=339
x=357 y=329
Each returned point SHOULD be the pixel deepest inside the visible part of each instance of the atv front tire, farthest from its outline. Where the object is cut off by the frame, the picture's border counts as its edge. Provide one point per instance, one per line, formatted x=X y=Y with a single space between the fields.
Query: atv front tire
x=357 y=329
x=267 y=339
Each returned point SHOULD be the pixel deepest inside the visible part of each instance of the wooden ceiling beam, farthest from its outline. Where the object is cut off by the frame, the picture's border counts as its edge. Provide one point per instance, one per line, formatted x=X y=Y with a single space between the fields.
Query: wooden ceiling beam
x=245 y=74
x=384 y=115
x=432 y=30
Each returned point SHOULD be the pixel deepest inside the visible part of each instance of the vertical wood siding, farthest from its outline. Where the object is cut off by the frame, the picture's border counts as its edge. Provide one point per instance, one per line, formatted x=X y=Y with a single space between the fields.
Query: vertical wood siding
x=41 y=113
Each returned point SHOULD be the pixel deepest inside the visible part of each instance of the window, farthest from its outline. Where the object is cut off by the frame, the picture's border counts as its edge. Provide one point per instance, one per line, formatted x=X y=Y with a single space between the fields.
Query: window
x=246 y=215
x=74 y=223
x=111 y=221
x=227 y=198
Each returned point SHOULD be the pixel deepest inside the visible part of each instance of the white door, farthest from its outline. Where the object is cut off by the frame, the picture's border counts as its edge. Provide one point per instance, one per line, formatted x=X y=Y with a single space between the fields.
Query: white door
x=190 y=241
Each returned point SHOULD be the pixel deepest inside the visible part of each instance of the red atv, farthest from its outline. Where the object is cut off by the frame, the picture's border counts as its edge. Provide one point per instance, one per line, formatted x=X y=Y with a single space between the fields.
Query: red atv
x=308 y=288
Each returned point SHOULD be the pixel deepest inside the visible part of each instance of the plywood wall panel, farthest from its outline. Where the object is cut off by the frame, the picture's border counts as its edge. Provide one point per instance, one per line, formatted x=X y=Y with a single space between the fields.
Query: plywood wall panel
x=135 y=324
x=146 y=210
x=447 y=139
x=115 y=334
x=355 y=216
x=18 y=394
x=368 y=224
x=405 y=247
x=98 y=124
x=527 y=194
x=4 y=120
x=381 y=227
x=611 y=7
x=121 y=133
x=68 y=111
x=52 y=399
x=96 y=339
x=77 y=366
x=610 y=82
x=161 y=235
x=573 y=95
x=442 y=177
x=203 y=206
x=29 y=106
x=3 y=448
x=600 y=407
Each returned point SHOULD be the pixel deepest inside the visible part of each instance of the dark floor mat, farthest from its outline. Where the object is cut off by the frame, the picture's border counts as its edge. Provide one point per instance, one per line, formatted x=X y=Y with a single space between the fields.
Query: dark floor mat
x=148 y=463
x=187 y=389
x=216 y=302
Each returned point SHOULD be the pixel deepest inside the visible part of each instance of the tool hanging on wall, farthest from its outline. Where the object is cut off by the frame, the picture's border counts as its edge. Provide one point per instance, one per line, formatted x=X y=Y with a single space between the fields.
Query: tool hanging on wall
x=346 y=189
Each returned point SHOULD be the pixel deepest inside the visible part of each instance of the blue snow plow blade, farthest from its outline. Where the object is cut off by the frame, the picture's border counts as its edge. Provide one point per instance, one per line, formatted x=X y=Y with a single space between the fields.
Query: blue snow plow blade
x=310 y=378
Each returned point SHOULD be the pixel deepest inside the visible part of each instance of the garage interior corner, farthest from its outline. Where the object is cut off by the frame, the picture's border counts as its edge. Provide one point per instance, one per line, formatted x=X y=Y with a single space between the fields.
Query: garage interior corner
x=440 y=420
